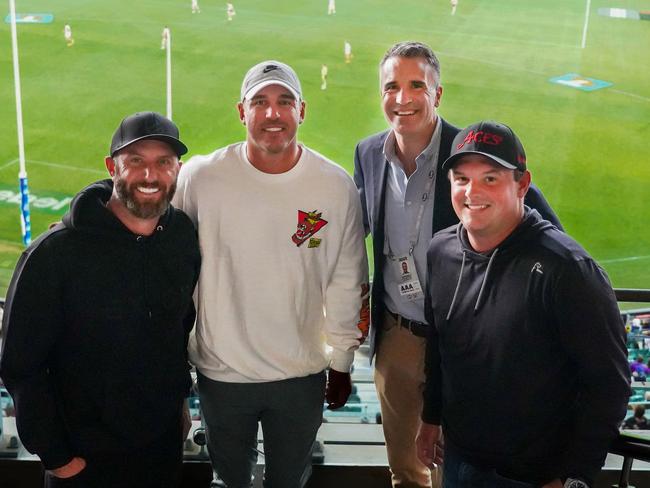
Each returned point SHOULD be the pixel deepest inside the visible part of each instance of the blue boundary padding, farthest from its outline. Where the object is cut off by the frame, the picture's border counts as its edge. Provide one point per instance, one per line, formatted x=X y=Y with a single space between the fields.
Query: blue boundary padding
x=31 y=19
x=24 y=212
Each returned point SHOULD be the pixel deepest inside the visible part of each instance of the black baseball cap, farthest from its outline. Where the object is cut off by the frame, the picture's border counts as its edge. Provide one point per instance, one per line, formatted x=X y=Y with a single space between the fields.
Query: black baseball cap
x=491 y=139
x=146 y=125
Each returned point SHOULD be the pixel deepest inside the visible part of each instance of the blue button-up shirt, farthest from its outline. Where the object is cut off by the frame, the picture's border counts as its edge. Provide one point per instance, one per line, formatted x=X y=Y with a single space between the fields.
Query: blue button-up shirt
x=403 y=199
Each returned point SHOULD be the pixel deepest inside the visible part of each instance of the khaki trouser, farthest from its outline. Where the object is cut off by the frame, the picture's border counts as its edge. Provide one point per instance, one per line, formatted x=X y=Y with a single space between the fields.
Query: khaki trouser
x=399 y=378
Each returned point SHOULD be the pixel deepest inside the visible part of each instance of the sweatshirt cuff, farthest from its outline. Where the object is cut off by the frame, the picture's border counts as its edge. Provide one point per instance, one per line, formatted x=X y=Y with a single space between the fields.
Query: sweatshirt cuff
x=55 y=460
x=431 y=412
x=431 y=418
x=342 y=360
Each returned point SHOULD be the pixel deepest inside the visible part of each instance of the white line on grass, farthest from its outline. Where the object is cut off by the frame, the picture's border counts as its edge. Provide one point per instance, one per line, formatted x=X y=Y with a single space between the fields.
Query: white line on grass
x=54 y=165
x=530 y=71
x=586 y=25
x=645 y=99
x=493 y=63
x=244 y=29
x=623 y=260
x=6 y=165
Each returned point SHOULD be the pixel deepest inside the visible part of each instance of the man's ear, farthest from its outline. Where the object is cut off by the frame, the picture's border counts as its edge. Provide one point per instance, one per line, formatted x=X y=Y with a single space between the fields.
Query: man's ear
x=240 y=108
x=436 y=103
x=524 y=184
x=303 y=109
x=110 y=165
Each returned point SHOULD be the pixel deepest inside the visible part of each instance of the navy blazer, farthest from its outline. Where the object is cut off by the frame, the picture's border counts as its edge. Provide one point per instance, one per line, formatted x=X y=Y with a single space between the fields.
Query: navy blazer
x=370 y=169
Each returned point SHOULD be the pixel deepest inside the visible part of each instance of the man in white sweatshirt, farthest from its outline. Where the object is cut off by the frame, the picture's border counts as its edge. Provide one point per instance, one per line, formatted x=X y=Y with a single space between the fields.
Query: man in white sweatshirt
x=284 y=274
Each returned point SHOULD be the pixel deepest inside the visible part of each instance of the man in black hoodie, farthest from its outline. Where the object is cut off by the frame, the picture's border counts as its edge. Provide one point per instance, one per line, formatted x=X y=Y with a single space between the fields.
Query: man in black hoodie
x=97 y=318
x=526 y=363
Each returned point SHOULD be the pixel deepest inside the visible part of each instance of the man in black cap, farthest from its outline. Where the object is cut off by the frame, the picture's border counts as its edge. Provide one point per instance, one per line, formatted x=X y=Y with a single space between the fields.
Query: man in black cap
x=405 y=200
x=97 y=319
x=526 y=368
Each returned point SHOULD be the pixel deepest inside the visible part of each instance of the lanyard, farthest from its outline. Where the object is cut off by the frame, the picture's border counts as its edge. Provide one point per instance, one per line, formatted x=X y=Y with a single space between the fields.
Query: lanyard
x=414 y=235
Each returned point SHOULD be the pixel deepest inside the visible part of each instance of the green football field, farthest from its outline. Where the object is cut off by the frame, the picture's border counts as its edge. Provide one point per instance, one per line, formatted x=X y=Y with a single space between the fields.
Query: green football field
x=589 y=151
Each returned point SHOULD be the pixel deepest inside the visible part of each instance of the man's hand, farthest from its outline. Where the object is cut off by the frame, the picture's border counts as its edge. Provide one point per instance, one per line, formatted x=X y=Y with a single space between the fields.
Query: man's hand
x=429 y=445
x=556 y=483
x=337 y=391
x=186 y=420
x=73 y=468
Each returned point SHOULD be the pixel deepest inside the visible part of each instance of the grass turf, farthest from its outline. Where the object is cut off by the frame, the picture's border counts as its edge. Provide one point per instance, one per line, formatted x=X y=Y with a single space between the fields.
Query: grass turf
x=589 y=152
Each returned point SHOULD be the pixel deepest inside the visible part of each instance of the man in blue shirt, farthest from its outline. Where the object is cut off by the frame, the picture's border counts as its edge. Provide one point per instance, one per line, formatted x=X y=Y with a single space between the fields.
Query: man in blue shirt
x=406 y=200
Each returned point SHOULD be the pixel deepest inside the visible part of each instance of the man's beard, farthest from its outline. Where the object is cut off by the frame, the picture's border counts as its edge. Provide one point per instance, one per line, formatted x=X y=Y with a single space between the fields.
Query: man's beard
x=144 y=210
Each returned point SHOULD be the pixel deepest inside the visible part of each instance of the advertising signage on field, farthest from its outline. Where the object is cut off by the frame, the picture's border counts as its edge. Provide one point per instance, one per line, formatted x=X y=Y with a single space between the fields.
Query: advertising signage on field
x=31 y=19
x=47 y=202
x=574 y=80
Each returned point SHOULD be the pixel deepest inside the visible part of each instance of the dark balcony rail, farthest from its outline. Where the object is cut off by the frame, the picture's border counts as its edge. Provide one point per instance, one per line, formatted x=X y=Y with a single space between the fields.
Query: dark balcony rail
x=632 y=295
x=630 y=446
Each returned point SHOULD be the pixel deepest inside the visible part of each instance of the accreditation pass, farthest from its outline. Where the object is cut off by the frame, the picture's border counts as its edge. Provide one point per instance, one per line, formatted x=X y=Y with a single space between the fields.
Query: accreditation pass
x=409 y=286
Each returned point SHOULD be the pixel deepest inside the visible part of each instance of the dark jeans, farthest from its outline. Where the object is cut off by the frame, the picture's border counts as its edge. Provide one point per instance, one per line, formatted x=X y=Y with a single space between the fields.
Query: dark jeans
x=290 y=411
x=460 y=474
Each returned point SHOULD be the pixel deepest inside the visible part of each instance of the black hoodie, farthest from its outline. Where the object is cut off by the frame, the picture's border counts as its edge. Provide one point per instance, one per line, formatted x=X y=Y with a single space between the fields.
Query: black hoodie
x=526 y=365
x=97 y=320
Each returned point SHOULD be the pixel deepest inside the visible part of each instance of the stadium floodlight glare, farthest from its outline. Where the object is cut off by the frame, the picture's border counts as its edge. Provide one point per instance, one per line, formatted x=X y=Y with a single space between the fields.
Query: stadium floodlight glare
x=169 y=75
x=25 y=222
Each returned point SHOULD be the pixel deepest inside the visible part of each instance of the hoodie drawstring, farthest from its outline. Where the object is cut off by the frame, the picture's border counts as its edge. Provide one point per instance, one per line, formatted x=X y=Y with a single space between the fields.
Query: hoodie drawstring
x=485 y=277
x=460 y=278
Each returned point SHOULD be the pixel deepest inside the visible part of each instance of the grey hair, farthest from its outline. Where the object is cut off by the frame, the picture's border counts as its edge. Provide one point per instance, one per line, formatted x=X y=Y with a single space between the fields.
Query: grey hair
x=413 y=49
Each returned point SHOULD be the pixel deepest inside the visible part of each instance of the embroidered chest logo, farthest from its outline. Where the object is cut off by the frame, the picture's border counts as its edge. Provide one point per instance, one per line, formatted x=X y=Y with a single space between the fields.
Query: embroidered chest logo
x=308 y=224
x=537 y=267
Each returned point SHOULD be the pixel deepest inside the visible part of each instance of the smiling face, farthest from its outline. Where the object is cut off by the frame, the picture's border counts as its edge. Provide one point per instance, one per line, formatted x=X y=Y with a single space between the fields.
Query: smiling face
x=410 y=95
x=272 y=117
x=487 y=199
x=144 y=177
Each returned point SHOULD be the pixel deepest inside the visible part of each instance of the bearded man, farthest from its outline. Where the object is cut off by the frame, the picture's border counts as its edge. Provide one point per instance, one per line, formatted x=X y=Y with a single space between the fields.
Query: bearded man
x=97 y=319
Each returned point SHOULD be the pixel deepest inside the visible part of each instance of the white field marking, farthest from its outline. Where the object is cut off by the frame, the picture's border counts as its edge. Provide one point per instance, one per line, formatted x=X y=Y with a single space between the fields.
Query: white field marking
x=586 y=25
x=199 y=24
x=531 y=71
x=245 y=28
x=8 y=242
x=55 y=165
x=6 y=165
x=493 y=63
x=623 y=260
x=645 y=99
x=465 y=35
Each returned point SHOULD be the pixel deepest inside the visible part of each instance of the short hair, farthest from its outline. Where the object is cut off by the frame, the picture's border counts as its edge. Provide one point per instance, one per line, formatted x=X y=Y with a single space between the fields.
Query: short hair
x=413 y=49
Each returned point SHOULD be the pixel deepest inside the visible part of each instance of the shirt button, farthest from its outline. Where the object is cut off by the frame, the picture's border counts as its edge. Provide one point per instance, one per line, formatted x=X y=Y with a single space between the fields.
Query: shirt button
x=408 y=203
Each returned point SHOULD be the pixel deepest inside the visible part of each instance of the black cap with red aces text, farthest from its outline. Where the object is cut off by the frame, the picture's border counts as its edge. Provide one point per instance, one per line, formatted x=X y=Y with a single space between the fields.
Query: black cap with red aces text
x=491 y=139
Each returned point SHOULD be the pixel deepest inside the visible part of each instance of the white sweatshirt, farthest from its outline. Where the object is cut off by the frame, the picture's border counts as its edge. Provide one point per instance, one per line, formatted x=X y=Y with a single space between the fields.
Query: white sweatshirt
x=271 y=294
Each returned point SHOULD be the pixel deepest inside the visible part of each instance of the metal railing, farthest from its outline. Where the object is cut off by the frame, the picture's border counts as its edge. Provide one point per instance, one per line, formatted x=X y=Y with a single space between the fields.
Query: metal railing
x=627 y=445
x=630 y=446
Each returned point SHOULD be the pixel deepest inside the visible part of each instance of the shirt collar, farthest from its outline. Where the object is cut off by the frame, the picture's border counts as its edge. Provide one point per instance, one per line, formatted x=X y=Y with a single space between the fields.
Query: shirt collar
x=426 y=156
